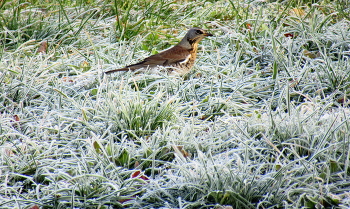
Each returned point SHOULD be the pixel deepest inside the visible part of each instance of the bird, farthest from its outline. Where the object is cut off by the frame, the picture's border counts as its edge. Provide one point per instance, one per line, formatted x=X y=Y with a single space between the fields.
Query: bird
x=179 y=59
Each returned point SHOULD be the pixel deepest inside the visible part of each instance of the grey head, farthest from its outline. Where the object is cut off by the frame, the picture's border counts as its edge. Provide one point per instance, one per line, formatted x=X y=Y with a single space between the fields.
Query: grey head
x=193 y=37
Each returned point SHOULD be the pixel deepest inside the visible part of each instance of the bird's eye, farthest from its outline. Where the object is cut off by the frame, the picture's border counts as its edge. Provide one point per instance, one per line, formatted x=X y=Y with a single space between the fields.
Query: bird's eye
x=199 y=32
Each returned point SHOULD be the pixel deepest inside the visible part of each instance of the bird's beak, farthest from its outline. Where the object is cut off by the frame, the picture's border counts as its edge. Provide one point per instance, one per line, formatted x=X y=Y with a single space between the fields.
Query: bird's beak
x=208 y=34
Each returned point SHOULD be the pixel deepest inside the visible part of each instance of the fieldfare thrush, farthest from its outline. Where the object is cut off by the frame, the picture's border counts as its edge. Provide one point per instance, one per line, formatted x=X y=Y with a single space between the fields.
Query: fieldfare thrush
x=179 y=58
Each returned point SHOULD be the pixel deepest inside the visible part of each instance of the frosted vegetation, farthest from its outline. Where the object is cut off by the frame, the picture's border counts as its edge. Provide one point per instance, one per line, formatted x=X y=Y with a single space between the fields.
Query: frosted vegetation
x=262 y=121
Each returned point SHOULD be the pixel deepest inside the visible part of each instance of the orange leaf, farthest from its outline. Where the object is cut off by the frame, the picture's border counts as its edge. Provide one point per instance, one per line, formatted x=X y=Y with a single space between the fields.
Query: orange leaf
x=34 y=207
x=248 y=26
x=138 y=174
x=143 y=177
x=16 y=117
x=135 y=174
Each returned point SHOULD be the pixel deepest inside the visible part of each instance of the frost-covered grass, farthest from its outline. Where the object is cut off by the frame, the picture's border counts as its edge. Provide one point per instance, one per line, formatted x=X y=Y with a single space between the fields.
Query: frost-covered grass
x=262 y=121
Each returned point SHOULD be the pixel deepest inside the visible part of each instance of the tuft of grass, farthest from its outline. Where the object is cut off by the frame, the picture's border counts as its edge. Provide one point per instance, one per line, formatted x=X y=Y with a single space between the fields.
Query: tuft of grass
x=30 y=21
x=138 y=115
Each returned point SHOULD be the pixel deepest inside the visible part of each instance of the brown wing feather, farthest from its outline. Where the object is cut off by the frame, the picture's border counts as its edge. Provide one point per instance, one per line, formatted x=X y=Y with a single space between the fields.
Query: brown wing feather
x=166 y=58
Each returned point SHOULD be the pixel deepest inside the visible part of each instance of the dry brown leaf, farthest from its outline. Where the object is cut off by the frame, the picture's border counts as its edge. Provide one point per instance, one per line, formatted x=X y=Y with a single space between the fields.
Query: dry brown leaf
x=34 y=207
x=43 y=47
x=16 y=117
x=180 y=149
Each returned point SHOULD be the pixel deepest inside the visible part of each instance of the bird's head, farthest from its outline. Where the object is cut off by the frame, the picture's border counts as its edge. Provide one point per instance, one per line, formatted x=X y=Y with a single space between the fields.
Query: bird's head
x=193 y=37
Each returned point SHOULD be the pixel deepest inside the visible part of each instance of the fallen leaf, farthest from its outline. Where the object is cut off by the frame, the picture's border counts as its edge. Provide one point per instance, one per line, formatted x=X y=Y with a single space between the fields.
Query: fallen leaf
x=42 y=48
x=16 y=117
x=248 y=26
x=180 y=149
x=34 y=207
x=289 y=35
x=135 y=174
x=140 y=175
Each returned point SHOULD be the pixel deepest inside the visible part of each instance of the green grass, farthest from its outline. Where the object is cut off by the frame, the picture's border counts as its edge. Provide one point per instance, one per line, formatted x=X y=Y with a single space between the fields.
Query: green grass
x=262 y=121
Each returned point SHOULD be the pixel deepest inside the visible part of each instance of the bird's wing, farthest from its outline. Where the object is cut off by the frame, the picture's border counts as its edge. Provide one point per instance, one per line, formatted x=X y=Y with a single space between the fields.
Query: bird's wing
x=168 y=57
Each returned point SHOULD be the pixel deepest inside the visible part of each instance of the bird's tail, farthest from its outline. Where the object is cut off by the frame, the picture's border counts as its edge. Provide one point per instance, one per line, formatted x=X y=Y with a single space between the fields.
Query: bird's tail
x=117 y=70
